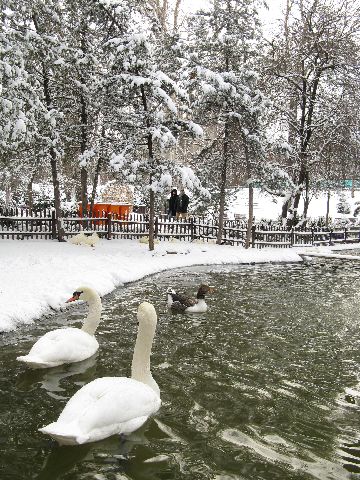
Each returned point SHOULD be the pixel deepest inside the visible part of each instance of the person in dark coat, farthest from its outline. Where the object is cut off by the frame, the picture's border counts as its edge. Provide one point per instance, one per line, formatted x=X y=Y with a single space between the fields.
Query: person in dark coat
x=173 y=203
x=182 y=205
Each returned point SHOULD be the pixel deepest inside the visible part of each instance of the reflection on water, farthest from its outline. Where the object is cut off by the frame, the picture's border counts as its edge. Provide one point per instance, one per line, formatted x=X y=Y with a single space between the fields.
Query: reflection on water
x=50 y=378
x=263 y=386
x=114 y=452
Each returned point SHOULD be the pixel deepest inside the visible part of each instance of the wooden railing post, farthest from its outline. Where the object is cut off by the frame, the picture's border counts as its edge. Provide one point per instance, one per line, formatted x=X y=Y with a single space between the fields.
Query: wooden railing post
x=253 y=236
x=345 y=234
x=53 y=225
x=192 y=228
x=109 y=224
x=292 y=237
x=156 y=226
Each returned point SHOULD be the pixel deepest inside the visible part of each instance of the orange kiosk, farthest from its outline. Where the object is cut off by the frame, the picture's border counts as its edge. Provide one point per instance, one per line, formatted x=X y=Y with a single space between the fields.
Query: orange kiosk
x=102 y=209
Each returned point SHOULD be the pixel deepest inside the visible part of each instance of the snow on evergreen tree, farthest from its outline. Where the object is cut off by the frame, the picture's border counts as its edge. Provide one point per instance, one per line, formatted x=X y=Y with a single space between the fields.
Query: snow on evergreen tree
x=35 y=29
x=152 y=109
x=19 y=104
x=87 y=29
x=226 y=92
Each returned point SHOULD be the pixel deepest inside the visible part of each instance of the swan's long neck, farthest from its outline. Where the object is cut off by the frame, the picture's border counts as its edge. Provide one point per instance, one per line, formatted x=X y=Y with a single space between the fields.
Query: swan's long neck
x=92 y=320
x=140 y=367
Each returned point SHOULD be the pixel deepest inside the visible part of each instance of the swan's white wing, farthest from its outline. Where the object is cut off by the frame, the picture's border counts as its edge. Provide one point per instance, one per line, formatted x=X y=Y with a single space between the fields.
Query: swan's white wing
x=104 y=407
x=110 y=400
x=64 y=345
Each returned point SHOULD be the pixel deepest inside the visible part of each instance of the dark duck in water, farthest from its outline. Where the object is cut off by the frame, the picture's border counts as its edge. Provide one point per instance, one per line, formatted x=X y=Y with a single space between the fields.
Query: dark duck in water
x=183 y=303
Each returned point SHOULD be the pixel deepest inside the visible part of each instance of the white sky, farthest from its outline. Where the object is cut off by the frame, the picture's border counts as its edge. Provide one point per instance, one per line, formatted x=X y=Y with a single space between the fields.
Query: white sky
x=275 y=6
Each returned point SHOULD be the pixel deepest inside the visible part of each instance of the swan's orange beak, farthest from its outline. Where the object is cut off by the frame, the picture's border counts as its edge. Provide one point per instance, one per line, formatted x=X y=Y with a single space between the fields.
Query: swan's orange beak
x=75 y=297
x=72 y=299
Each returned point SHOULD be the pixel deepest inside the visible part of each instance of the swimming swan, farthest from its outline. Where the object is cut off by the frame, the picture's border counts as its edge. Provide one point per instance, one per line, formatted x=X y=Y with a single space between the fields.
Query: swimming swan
x=68 y=345
x=113 y=405
x=182 y=303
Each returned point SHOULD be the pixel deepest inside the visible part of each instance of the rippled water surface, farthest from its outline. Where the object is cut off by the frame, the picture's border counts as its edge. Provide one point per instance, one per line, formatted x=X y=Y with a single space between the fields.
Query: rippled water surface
x=263 y=386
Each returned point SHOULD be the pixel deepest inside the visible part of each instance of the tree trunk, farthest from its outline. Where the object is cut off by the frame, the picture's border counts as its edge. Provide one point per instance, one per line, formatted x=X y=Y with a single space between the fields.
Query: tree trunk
x=54 y=167
x=327 y=209
x=7 y=194
x=251 y=193
x=307 y=200
x=250 y=218
x=284 y=210
x=96 y=176
x=223 y=180
x=151 y=161
x=57 y=201
x=84 y=200
x=301 y=182
x=95 y=183
x=52 y=152
x=30 y=193
x=83 y=147
x=151 y=220
x=84 y=126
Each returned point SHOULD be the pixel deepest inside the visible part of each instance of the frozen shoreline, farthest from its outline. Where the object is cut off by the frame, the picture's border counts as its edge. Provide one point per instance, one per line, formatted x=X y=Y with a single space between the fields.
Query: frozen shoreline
x=39 y=275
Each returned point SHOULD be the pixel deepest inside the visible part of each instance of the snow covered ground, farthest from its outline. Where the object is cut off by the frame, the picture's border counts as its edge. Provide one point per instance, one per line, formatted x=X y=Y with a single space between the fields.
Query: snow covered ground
x=269 y=207
x=39 y=275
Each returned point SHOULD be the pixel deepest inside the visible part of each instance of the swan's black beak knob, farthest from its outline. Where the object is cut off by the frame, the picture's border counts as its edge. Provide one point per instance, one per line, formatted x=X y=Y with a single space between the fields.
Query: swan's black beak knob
x=76 y=296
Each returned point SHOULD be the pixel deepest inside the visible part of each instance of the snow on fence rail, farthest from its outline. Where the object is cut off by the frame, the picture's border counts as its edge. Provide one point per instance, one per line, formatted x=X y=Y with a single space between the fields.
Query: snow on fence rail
x=20 y=224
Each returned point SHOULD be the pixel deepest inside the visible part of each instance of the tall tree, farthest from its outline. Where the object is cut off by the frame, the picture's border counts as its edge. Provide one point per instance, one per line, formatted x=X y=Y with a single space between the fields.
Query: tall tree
x=34 y=28
x=153 y=110
x=226 y=84
x=317 y=50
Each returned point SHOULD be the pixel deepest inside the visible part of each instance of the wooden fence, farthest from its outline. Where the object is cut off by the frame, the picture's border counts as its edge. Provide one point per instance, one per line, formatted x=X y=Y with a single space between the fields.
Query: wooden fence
x=20 y=224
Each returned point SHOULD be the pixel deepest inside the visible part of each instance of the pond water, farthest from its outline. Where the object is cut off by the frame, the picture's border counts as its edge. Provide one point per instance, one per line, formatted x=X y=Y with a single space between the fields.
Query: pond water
x=263 y=386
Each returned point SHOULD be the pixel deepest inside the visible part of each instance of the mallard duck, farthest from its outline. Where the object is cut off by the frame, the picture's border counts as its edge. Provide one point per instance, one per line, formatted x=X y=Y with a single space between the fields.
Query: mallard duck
x=183 y=303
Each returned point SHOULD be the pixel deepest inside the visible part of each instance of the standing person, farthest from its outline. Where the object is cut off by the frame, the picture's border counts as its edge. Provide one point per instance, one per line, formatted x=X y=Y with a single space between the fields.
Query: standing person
x=182 y=206
x=173 y=203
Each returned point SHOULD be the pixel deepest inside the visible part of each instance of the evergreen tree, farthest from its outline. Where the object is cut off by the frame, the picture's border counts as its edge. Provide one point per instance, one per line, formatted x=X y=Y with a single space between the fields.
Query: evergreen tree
x=152 y=110
x=226 y=92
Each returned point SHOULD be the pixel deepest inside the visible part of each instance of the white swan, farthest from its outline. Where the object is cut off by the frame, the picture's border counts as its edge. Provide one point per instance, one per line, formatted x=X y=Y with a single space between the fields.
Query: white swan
x=68 y=345
x=113 y=405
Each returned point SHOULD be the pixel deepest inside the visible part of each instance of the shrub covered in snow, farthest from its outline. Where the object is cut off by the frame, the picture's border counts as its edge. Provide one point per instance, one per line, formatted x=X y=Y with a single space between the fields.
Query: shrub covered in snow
x=343 y=205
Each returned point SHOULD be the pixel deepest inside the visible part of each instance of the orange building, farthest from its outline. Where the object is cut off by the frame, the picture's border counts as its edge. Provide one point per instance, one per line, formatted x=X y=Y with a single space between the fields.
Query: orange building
x=102 y=209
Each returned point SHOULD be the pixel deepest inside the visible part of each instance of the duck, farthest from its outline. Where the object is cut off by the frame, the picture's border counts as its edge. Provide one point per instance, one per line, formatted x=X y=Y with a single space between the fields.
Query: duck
x=78 y=239
x=82 y=239
x=113 y=405
x=182 y=303
x=68 y=345
x=92 y=239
